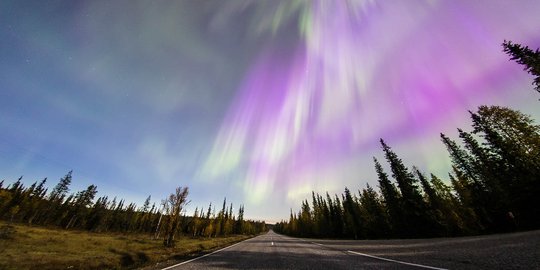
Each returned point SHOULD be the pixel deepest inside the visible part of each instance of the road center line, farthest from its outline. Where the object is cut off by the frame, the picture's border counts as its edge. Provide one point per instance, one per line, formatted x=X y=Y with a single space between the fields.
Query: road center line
x=194 y=259
x=396 y=261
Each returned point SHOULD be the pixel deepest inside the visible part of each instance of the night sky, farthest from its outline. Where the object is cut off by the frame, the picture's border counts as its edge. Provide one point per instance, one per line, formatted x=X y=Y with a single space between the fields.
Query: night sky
x=257 y=101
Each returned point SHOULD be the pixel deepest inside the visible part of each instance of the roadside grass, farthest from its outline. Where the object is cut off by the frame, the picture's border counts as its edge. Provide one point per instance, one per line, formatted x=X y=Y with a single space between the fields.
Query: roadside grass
x=26 y=247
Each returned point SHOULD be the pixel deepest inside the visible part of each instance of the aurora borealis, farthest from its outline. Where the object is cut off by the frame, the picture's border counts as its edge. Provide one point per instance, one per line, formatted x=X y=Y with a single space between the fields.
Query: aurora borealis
x=258 y=101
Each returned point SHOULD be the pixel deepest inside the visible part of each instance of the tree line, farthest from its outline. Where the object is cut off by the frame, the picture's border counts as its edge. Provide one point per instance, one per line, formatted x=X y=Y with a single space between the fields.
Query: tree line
x=34 y=205
x=493 y=184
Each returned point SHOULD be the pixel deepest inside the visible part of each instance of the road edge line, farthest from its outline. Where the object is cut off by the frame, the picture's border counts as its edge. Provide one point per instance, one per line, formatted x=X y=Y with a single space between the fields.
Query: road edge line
x=205 y=255
x=396 y=261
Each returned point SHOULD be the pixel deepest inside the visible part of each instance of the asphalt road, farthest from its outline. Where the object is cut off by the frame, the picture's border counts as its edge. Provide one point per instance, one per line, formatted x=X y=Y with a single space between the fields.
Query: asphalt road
x=274 y=251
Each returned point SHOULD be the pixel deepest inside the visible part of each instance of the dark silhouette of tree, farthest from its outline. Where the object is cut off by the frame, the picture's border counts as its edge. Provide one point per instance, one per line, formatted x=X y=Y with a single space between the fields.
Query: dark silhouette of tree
x=240 y=221
x=37 y=201
x=391 y=199
x=352 y=215
x=82 y=202
x=374 y=215
x=513 y=141
x=61 y=189
x=411 y=201
x=526 y=57
x=304 y=220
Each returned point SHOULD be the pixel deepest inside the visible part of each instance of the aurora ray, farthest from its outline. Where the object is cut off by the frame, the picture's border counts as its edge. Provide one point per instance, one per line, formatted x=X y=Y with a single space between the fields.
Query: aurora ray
x=308 y=115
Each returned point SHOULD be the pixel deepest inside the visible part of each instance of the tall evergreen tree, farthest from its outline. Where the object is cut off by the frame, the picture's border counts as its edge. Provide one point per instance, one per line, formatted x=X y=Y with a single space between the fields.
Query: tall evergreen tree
x=304 y=220
x=81 y=205
x=461 y=160
x=514 y=142
x=37 y=201
x=406 y=182
x=62 y=188
x=391 y=198
x=412 y=202
x=374 y=215
x=528 y=58
x=240 y=220
x=352 y=216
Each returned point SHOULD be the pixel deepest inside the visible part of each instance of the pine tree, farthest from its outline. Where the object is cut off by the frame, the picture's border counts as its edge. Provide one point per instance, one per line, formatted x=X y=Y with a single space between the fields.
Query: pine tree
x=304 y=220
x=79 y=209
x=406 y=181
x=391 y=198
x=240 y=221
x=438 y=213
x=61 y=189
x=488 y=197
x=220 y=221
x=11 y=203
x=98 y=215
x=491 y=172
x=431 y=196
x=461 y=160
x=352 y=217
x=195 y=223
x=414 y=208
x=37 y=201
x=526 y=57
x=375 y=217
x=146 y=205
x=337 y=217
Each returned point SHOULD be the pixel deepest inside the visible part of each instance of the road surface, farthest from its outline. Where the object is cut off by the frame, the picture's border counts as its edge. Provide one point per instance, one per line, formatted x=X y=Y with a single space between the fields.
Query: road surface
x=274 y=251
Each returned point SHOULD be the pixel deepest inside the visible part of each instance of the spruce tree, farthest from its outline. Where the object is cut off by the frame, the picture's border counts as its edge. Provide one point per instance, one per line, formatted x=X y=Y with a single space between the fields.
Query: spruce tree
x=352 y=217
x=375 y=217
x=61 y=189
x=391 y=198
x=406 y=182
x=461 y=160
x=414 y=208
x=526 y=57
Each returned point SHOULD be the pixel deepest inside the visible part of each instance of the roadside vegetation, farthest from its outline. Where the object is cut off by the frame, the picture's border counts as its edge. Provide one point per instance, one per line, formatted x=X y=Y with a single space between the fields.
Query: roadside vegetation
x=33 y=205
x=28 y=247
x=60 y=230
x=493 y=184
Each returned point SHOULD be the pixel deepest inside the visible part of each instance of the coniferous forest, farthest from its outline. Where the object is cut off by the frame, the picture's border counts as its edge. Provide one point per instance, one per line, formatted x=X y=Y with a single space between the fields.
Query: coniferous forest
x=493 y=185
x=34 y=205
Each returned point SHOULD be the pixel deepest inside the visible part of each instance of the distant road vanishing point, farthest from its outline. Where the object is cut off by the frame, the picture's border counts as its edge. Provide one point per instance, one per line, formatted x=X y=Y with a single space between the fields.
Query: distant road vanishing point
x=274 y=251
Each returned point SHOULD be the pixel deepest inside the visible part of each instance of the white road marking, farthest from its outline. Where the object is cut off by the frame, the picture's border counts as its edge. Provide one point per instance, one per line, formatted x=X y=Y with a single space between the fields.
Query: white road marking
x=188 y=261
x=379 y=258
x=396 y=261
